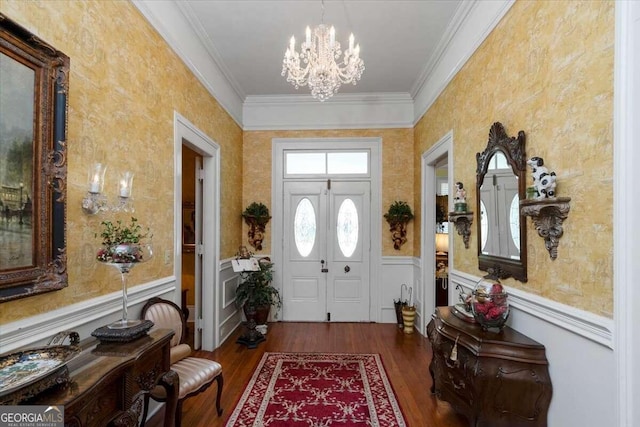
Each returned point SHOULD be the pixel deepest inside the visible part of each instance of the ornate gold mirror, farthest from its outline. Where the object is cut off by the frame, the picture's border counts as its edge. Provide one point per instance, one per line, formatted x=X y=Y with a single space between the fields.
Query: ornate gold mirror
x=33 y=165
x=502 y=235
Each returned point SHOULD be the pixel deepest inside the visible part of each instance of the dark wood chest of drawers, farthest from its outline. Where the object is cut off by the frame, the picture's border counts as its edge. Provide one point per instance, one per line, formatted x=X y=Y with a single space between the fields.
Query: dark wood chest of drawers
x=496 y=379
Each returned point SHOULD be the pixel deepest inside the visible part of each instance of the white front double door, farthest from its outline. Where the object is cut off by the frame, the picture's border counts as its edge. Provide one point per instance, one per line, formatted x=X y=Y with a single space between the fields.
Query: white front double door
x=326 y=228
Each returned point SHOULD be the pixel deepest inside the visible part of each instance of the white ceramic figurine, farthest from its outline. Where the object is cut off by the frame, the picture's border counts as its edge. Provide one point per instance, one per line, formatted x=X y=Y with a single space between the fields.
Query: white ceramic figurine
x=543 y=180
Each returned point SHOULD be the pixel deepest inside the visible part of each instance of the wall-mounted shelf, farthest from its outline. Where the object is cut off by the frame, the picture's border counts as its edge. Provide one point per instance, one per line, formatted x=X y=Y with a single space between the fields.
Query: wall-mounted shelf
x=462 y=221
x=548 y=216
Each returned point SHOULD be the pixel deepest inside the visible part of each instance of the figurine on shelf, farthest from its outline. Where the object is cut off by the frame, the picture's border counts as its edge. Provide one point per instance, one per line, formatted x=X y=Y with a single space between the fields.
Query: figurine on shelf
x=543 y=180
x=460 y=201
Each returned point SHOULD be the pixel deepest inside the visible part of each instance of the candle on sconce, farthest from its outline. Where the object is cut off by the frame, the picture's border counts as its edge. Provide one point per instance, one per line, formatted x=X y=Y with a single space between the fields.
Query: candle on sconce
x=124 y=190
x=126 y=180
x=96 y=177
x=94 y=187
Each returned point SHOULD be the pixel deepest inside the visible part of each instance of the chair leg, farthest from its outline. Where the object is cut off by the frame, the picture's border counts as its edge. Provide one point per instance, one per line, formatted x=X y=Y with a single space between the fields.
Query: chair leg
x=179 y=413
x=220 y=381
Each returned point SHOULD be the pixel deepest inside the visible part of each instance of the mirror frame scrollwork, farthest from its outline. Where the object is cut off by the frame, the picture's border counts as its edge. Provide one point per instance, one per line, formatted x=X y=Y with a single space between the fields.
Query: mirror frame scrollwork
x=513 y=149
x=47 y=270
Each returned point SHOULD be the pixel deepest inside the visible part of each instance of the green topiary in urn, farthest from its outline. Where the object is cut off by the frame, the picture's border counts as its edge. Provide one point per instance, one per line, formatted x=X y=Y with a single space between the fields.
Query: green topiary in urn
x=123 y=247
x=123 y=243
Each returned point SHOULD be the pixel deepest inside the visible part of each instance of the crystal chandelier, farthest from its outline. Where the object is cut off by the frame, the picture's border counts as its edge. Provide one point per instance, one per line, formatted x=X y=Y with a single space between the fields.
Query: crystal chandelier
x=318 y=56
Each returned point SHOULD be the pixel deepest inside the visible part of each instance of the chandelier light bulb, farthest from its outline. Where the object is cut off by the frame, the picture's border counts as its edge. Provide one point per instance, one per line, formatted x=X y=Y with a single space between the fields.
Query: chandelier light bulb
x=316 y=64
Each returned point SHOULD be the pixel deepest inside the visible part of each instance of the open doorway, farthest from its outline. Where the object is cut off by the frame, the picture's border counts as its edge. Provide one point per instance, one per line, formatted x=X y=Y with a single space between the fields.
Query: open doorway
x=442 y=233
x=191 y=234
x=437 y=171
x=193 y=144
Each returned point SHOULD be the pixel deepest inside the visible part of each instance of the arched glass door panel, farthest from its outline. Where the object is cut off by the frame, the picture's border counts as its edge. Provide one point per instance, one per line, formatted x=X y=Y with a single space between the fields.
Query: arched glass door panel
x=304 y=226
x=347 y=227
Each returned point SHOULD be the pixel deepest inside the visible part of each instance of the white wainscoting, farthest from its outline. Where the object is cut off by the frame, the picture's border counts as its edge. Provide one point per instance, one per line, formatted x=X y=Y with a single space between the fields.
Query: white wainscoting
x=83 y=317
x=396 y=270
x=229 y=316
x=579 y=349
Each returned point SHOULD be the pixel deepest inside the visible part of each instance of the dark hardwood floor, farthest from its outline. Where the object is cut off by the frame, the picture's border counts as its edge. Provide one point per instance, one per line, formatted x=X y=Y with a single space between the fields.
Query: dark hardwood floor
x=405 y=357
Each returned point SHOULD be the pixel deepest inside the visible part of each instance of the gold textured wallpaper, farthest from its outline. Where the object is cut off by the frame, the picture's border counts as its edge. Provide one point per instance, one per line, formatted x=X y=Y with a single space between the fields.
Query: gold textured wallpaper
x=125 y=84
x=547 y=69
x=397 y=174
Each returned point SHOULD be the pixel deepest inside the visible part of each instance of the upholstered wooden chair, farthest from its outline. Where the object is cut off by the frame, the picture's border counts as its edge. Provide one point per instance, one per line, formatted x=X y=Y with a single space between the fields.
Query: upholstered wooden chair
x=195 y=374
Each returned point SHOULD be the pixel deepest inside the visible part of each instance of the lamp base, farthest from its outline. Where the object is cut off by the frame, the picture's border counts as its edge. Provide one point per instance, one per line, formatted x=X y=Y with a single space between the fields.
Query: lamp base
x=124 y=324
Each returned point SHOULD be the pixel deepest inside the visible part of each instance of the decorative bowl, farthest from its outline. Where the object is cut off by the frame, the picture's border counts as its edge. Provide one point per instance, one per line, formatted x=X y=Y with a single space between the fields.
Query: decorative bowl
x=490 y=305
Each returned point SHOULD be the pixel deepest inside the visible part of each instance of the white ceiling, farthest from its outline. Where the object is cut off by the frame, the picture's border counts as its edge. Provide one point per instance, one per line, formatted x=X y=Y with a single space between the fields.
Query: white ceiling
x=248 y=38
x=411 y=50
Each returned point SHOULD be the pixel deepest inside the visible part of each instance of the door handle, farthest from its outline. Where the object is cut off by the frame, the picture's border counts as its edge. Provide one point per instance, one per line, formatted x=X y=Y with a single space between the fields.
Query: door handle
x=347 y=269
x=322 y=268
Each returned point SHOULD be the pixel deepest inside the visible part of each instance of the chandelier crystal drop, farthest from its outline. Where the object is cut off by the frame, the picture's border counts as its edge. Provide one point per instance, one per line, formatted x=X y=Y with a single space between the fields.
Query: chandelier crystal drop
x=316 y=64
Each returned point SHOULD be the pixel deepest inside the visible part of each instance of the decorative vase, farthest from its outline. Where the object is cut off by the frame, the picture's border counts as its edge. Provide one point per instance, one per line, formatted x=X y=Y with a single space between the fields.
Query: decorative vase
x=408 y=317
x=460 y=207
x=124 y=257
x=261 y=313
x=490 y=305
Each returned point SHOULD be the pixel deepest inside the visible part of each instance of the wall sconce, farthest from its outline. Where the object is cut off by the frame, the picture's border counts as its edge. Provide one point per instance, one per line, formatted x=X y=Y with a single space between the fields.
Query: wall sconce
x=96 y=201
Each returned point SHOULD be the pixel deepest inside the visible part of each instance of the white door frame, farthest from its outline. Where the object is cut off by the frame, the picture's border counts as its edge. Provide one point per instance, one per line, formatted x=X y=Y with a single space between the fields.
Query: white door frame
x=431 y=158
x=374 y=145
x=626 y=229
x=184 y=132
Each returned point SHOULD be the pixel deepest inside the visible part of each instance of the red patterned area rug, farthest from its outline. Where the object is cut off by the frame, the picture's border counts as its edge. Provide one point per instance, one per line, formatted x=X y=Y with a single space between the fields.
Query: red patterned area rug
x=318 y=390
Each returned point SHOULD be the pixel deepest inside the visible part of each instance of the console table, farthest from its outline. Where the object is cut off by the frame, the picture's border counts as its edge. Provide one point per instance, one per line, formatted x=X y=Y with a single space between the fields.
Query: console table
x=495 y=379
x=109 y=382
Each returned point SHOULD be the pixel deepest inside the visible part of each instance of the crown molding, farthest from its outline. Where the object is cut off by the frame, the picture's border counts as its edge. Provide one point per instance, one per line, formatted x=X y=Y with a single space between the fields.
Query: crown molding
x=169 y=20
x=470 y=27
x=472 y=23
x=459 y=17
x=342 y=111
x=201 y=33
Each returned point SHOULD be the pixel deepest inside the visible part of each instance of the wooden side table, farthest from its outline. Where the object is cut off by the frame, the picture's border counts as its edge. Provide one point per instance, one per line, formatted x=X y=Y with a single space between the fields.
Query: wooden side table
x=495 y=379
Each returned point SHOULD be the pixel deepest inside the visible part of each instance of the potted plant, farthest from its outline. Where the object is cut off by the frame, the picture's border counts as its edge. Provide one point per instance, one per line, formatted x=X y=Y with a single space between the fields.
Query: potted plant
x=398 y=216
x=255 y=290
x=123 y=243
x=256 y=215
x=124 y=246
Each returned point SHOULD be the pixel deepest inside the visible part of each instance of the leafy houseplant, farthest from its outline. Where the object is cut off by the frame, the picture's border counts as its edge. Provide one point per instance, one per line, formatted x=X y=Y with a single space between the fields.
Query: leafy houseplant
x=399 y=211
x=398 y=216
x=256 y=290
x=257 y=210
x=122 y=243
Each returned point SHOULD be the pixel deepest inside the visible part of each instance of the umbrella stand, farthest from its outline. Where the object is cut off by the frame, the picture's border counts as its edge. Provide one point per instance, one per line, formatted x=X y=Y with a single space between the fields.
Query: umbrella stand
x=398 y=304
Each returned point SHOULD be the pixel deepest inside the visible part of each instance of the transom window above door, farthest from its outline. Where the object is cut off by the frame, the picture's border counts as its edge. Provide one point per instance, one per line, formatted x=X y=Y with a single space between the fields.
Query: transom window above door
x=326 y=163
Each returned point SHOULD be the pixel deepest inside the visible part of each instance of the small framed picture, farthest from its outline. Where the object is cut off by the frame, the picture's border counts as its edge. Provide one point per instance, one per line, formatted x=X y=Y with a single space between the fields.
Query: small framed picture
x=188 y=227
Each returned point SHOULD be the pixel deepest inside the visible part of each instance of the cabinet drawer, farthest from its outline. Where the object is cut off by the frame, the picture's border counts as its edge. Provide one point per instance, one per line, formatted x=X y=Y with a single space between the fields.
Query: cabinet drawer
x=96 y=409
x=147 y=370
